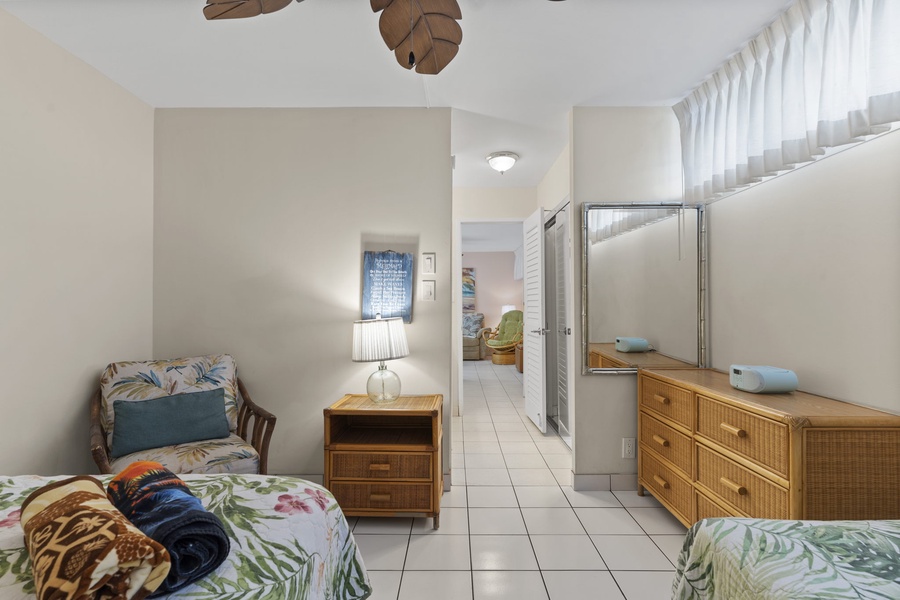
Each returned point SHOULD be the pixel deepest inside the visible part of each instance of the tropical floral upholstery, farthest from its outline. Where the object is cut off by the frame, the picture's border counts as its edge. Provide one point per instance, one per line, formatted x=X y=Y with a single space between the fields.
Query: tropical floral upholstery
x=472 y=323
x=788 y=560
x=225 y=455
x=289 y=540
x=474 y=347
x=142 y=380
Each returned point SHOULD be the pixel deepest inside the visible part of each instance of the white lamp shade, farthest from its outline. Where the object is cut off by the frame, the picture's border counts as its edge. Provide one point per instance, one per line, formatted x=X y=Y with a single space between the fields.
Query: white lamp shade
x=506 y=308
x=379 y=339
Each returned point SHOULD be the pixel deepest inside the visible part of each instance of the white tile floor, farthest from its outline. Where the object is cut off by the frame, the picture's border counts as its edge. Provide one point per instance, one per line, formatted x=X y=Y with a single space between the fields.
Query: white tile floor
x=512 y=527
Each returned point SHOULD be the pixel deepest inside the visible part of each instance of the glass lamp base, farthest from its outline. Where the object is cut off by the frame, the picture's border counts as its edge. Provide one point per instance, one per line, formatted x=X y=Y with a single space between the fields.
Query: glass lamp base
x=383 y=386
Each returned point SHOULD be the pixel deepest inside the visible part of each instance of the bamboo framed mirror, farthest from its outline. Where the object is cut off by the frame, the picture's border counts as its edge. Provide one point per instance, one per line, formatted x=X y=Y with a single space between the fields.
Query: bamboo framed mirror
x=643 y=276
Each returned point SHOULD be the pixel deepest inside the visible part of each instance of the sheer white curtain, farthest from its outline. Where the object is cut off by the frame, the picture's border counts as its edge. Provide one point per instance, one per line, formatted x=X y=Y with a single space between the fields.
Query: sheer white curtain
x=606 y=223
x=825 y=73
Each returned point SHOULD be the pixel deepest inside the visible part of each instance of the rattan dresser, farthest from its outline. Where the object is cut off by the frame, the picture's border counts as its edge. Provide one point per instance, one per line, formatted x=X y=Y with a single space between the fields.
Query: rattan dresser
x=708 y=450
x=605 y=356
x=385 y=459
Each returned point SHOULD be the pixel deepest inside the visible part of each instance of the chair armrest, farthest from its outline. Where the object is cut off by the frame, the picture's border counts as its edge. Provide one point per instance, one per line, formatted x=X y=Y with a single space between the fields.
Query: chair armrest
x=263 y=425
x=99 y=450
x=488 y=333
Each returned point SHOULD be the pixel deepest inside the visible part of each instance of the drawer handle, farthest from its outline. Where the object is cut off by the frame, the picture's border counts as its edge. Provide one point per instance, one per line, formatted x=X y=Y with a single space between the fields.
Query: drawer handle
x=379 y=467
x=660 y=399
x=662 y=482
x=733 y=430
x=380 y=497
x=661 y=441
x=734 y=487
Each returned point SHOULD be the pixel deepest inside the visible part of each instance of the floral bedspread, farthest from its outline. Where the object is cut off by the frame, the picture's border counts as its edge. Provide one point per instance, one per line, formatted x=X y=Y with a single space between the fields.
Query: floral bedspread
x=289 y=540
x=821 y=560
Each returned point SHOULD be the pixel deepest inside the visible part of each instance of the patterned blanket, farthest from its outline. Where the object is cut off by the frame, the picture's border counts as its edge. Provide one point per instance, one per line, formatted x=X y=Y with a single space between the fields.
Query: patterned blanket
x=289 y=540
x=82 y=547
x=160 y=504
x=813 y=560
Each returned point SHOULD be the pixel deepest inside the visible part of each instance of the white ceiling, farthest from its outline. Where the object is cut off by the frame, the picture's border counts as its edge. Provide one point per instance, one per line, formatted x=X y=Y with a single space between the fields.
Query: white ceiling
x=521 y=67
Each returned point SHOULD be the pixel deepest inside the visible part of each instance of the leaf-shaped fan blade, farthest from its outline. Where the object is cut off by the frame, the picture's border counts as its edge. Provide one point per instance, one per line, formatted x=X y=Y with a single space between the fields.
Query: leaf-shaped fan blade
x=240 y=9
x=436 y=34
x=436 y=49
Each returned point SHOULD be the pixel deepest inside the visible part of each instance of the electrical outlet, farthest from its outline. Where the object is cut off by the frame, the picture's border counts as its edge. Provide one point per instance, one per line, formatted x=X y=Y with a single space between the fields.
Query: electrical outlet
x=627 y=447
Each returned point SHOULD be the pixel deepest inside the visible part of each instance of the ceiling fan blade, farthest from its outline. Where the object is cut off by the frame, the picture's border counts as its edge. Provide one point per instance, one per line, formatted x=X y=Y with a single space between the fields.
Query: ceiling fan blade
x=429 y=32
x=439 y=57
x=434 y=31
x=241 y=9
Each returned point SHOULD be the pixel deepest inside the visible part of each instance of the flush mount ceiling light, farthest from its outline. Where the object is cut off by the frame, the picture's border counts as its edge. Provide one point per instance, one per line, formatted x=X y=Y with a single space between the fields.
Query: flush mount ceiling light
x=502 y=161
x=422 y=33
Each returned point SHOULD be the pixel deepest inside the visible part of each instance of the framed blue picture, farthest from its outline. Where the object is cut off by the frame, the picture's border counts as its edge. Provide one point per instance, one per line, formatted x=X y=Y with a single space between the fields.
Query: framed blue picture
x=387 y=285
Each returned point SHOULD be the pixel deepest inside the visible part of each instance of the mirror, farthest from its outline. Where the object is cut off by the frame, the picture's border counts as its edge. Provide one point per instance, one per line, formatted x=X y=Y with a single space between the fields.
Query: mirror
x=642 y=278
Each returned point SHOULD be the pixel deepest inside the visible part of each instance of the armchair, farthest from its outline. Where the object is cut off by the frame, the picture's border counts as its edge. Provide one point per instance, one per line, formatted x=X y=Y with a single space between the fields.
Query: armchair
x=502 y=340
x=474 y=347
x=241 y=445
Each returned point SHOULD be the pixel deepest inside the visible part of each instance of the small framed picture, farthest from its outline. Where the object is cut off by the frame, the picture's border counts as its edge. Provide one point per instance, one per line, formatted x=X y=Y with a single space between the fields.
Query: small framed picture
x=428 y=265
x=428 y=290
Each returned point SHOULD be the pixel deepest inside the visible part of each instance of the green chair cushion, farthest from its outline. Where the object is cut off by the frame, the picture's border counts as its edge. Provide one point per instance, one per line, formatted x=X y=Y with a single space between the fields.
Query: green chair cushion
x=510 y=328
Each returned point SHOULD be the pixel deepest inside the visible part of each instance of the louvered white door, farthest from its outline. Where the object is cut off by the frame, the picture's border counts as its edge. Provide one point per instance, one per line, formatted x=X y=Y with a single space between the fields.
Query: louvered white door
x=562 y=329
x=534 y=329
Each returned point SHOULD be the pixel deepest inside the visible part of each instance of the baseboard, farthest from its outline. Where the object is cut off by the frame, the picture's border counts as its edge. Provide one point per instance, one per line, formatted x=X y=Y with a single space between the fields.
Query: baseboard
x=605 y=482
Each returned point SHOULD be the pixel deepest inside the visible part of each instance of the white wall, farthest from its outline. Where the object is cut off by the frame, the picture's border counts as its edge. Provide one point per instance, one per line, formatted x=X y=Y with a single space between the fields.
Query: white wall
x=262 y=216
x=618 y=155
x=805 y=274
x=494 y=283
x=76 y=235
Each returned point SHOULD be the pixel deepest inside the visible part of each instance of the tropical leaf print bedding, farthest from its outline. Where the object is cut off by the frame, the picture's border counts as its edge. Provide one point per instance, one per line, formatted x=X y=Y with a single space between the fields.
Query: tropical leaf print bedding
x=821 y=560
x=289 y=540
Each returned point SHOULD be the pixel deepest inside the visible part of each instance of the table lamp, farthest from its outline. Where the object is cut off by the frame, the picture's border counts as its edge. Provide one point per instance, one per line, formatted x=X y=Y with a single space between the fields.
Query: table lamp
x=380 y=340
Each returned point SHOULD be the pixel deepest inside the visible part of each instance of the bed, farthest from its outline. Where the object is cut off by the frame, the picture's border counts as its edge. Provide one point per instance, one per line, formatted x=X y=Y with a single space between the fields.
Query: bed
x=289 y=540
x=757 y=558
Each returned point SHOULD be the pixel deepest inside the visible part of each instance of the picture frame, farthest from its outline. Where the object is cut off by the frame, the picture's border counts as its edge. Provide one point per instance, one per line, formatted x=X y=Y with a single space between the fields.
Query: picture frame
x=429 y=266
x=428 y=290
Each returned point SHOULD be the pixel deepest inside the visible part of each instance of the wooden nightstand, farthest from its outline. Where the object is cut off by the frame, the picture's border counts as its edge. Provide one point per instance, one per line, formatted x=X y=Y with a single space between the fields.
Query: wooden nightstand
x=385 y=459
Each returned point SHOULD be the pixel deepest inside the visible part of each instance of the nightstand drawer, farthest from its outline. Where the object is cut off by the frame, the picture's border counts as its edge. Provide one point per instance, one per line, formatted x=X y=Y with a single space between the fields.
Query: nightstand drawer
x=366 y=465
x=748 y=492
x=666 y=485
x=395 y=497
x=670 y=401
x=675 y=447
x=762 y=440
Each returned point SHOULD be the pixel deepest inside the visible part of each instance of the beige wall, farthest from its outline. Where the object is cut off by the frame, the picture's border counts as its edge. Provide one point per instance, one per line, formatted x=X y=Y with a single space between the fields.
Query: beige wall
x=76 y=235
x=261 y=219
x=805 y=274
x=618 y=155
x=491 y=204
x=557 y=183
x=494 y=283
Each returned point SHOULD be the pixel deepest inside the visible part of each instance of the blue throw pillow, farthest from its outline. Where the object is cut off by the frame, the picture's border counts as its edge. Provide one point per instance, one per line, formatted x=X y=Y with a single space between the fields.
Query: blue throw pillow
x=169 y=420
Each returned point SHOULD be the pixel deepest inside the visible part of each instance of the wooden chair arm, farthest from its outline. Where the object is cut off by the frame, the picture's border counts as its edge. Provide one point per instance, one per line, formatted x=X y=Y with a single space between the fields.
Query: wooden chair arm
x=263 y=425
x=99 y=450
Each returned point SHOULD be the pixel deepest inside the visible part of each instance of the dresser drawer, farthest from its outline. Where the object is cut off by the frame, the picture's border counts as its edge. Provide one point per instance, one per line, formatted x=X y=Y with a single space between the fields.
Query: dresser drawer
x=740 y=487
x=611 y=363
x=669 y=400
x=675 y=447
x=667 y=486
x=707 y=509
x=395 y=497
x=387 y=465
x=762 y=440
